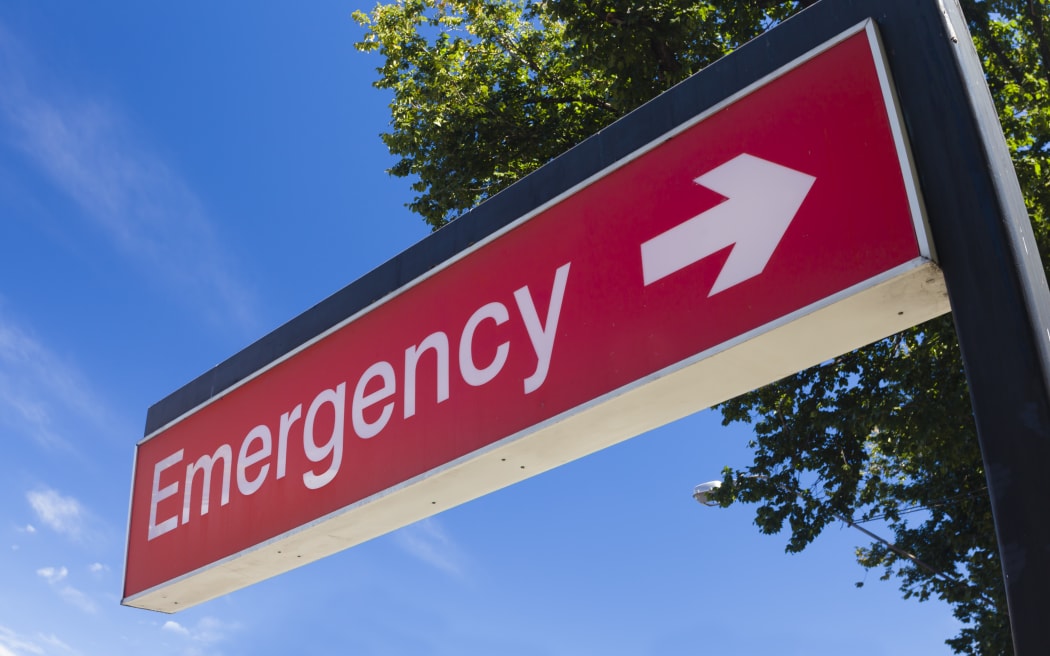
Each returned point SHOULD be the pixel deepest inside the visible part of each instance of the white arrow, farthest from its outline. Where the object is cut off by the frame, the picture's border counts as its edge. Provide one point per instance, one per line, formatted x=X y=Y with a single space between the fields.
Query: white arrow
x=761 y=201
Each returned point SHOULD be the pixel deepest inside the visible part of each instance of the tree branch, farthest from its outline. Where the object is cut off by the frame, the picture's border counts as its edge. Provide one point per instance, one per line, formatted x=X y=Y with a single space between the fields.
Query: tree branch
x=1042 y=43
x=563 y=100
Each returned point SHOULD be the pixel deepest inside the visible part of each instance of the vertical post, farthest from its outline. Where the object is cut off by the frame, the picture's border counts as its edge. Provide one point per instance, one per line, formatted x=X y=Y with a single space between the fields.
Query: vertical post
x=1001 y=308
x=995 y=278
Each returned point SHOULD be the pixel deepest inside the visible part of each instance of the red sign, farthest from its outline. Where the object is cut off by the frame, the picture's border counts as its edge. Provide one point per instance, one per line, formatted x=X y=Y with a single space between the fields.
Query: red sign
x=771 y=233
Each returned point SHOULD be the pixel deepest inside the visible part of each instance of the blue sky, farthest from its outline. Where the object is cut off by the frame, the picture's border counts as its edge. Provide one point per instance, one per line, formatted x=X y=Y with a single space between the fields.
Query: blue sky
x=178 y=180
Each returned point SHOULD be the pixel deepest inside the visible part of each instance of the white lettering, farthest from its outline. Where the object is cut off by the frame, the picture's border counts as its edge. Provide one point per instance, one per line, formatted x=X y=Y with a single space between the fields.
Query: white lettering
x=205 y=464
x=159 y=494
x=439 y=343
x=484 y=350
x=246 y=460
x=334 y=445
x=470 y=372
x=542 y=336
x=364 y=428
x=287 y=419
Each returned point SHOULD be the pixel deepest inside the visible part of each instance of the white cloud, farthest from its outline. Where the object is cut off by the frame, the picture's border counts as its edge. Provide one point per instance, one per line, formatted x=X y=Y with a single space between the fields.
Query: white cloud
x=77 y=598
x=175 y=627
x=89 y=151
x=98 y=568
x=24 y=371
x=71 y=595
x=207 y=630
x=427 y=541
x=54 y=641
x=63 y=514
x=12 y=644
x=52 y=574
x=40 y=394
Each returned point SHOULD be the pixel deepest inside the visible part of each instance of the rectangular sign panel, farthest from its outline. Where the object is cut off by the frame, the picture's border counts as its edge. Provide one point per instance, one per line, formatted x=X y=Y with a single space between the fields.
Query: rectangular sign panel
x=774 y=231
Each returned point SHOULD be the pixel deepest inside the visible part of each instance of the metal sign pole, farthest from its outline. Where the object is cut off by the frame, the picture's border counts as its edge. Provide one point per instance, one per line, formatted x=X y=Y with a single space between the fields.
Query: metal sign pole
x=1001 y=309
x=996 y=283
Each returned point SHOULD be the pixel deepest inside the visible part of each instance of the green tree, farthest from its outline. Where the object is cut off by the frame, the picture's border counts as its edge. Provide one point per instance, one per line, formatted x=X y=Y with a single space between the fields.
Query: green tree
x=485 y=91
x=483 y=94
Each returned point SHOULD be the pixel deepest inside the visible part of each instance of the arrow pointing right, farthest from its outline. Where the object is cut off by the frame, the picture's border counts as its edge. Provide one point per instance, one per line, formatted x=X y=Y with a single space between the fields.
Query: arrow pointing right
x=762 y=198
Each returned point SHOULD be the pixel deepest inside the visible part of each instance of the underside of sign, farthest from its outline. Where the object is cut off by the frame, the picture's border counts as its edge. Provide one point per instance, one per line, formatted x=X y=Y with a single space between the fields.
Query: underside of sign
x=776 y=227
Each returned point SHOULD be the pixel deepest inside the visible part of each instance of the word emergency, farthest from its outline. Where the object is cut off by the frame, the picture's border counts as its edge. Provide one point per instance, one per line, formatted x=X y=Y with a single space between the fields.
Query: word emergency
x=369 y=403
